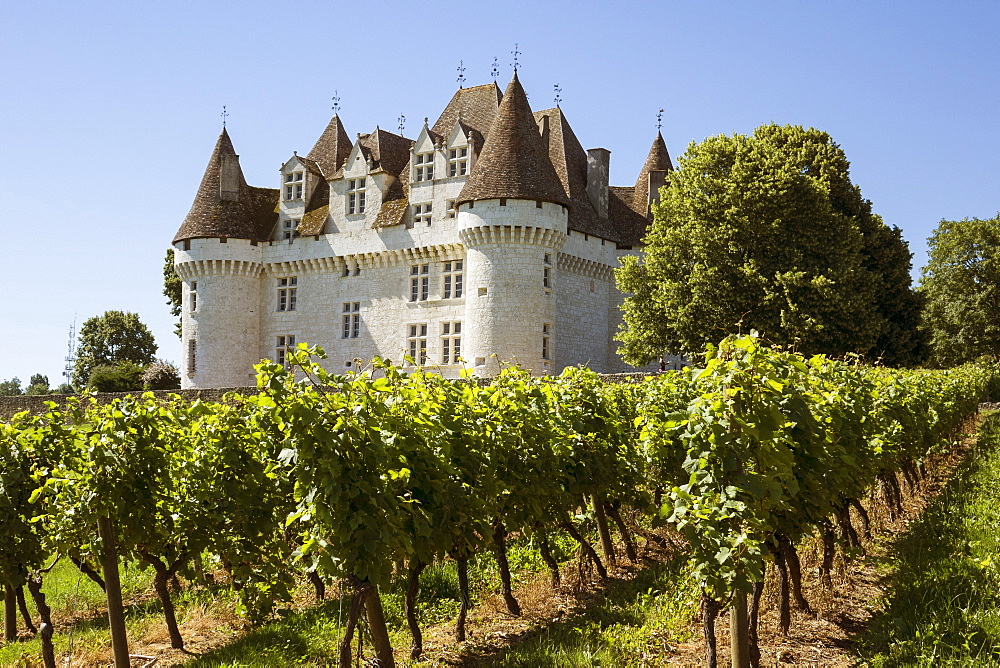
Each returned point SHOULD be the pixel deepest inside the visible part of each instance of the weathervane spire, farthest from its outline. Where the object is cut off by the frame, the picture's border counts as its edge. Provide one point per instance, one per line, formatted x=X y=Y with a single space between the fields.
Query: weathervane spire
x=224 y=115
x=495 y=72
x=558 y=92
x=402 y=123
x=461 y=74
x=336 y=102
x=659 y=120
x=515 y=53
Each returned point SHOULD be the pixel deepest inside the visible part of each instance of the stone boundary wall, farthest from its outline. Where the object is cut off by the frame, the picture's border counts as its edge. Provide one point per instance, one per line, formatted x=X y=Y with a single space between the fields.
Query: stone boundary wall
x=10 y=406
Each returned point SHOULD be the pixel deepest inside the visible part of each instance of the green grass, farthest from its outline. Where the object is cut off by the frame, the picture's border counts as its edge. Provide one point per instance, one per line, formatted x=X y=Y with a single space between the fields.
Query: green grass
x=635 y=623
x=944 y=604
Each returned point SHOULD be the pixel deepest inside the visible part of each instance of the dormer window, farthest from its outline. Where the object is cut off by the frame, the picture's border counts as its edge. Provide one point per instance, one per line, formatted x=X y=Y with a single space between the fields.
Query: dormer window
x=458 y=161
x=293 y=185
x=355 y=196
x=424 y=167
x=288 y=229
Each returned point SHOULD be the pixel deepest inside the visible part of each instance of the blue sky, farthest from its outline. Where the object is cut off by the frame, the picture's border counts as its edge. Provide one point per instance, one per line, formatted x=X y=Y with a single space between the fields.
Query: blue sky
x=109 y=111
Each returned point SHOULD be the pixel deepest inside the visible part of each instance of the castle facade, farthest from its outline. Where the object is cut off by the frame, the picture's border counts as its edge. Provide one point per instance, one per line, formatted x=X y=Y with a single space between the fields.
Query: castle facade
x=491 y=238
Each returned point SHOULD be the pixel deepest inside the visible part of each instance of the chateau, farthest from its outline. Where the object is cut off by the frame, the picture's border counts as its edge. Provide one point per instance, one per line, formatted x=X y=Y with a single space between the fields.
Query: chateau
x=491 y=238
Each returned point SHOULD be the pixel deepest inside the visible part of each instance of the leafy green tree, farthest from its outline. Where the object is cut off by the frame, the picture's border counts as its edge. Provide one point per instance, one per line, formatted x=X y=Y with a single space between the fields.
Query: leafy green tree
x=121 y=377
x=39 y=385
x=172 y=288
x=10 y=387
x=961 y=284
x=109 y=339
x=767 y=232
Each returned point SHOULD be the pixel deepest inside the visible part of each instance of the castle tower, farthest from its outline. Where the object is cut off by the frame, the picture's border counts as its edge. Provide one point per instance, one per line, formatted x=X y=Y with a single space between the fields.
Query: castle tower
x=512 y=218
x=218 y=257
x=652 y=176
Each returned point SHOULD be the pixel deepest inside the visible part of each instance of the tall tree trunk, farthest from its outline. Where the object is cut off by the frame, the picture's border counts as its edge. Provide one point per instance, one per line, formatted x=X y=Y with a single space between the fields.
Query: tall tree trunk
x=710 y=611
x=586 y=547
x=616 y=516
x=463 y=587
x=113 y=593
x=45 y=614
x=9 y=614
x=377 y=627
x=607 y=546
x=500 y=544
x=412 y=589
x=543 y=548
x=353 y=614
x=829 y=545
x=25 y=615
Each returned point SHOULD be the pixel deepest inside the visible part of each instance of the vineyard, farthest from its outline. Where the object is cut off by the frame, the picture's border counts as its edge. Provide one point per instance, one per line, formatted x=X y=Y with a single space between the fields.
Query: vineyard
x=359 y=479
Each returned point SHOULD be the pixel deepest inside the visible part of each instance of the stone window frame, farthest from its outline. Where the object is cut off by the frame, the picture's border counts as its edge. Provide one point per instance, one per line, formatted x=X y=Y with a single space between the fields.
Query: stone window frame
x=451 y=341
x=450 y=211
x=420 y=282
x=287 y=293
x=283 y=343
x=423 y=166
x=547 y=272
x=546 y=341
x=452 y=279
x=458 y=161
x=351 y=320
x=356 y=195
x=422 y=214
x=416 y=342
x=290 y=228
x=294 y=185
x=192 y=357
x=193 y=297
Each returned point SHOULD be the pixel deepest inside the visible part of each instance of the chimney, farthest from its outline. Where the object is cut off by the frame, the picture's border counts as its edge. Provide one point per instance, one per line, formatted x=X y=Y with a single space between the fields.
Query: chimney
x=229 y=177
x=543 y=129
x=657 y=179
x=598 y=165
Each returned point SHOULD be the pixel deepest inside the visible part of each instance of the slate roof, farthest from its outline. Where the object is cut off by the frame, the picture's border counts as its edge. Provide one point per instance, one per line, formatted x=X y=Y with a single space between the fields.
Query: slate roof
x=477 y=107
x=514 y=162
x=629 y=225
x=332 y=147
x=251 y=216
x=570 y=162
x=658 y=159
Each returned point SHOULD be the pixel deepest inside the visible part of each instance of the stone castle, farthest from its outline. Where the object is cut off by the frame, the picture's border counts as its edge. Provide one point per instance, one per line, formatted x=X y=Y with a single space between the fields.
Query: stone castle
x=489 y=239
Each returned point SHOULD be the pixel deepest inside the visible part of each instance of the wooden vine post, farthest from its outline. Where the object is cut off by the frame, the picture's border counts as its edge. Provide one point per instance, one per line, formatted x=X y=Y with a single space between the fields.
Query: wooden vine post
x=739 y=631
x=9 y=614
x=116 y=612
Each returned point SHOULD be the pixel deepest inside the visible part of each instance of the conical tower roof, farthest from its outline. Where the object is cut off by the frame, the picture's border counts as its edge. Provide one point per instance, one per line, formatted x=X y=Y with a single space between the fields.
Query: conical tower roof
x=332 y=148
x=657 y=160
x=514 y=163
x=225 y=205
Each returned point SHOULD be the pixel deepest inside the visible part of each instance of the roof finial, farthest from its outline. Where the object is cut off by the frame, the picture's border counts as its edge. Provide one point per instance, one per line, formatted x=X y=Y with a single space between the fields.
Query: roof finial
x=402 y=123
x=461 y=74
x=515 y=53
x=659 y=120
x=336 y=102
x=558 y=91
x=495 y=72
x=224 y=115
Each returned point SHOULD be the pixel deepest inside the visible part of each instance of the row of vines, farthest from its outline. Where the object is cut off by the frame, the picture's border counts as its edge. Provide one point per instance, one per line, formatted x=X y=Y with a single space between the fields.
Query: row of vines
x=354 y=477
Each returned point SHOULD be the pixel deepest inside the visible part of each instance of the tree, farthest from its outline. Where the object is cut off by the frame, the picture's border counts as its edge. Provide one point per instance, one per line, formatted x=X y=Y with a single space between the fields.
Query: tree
x=10 y=387
x=121 y=377
x=109 y=339
x=161 y=375
x=172 y=288
x=961 y=285
x=39 y=385
x=767 y=232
